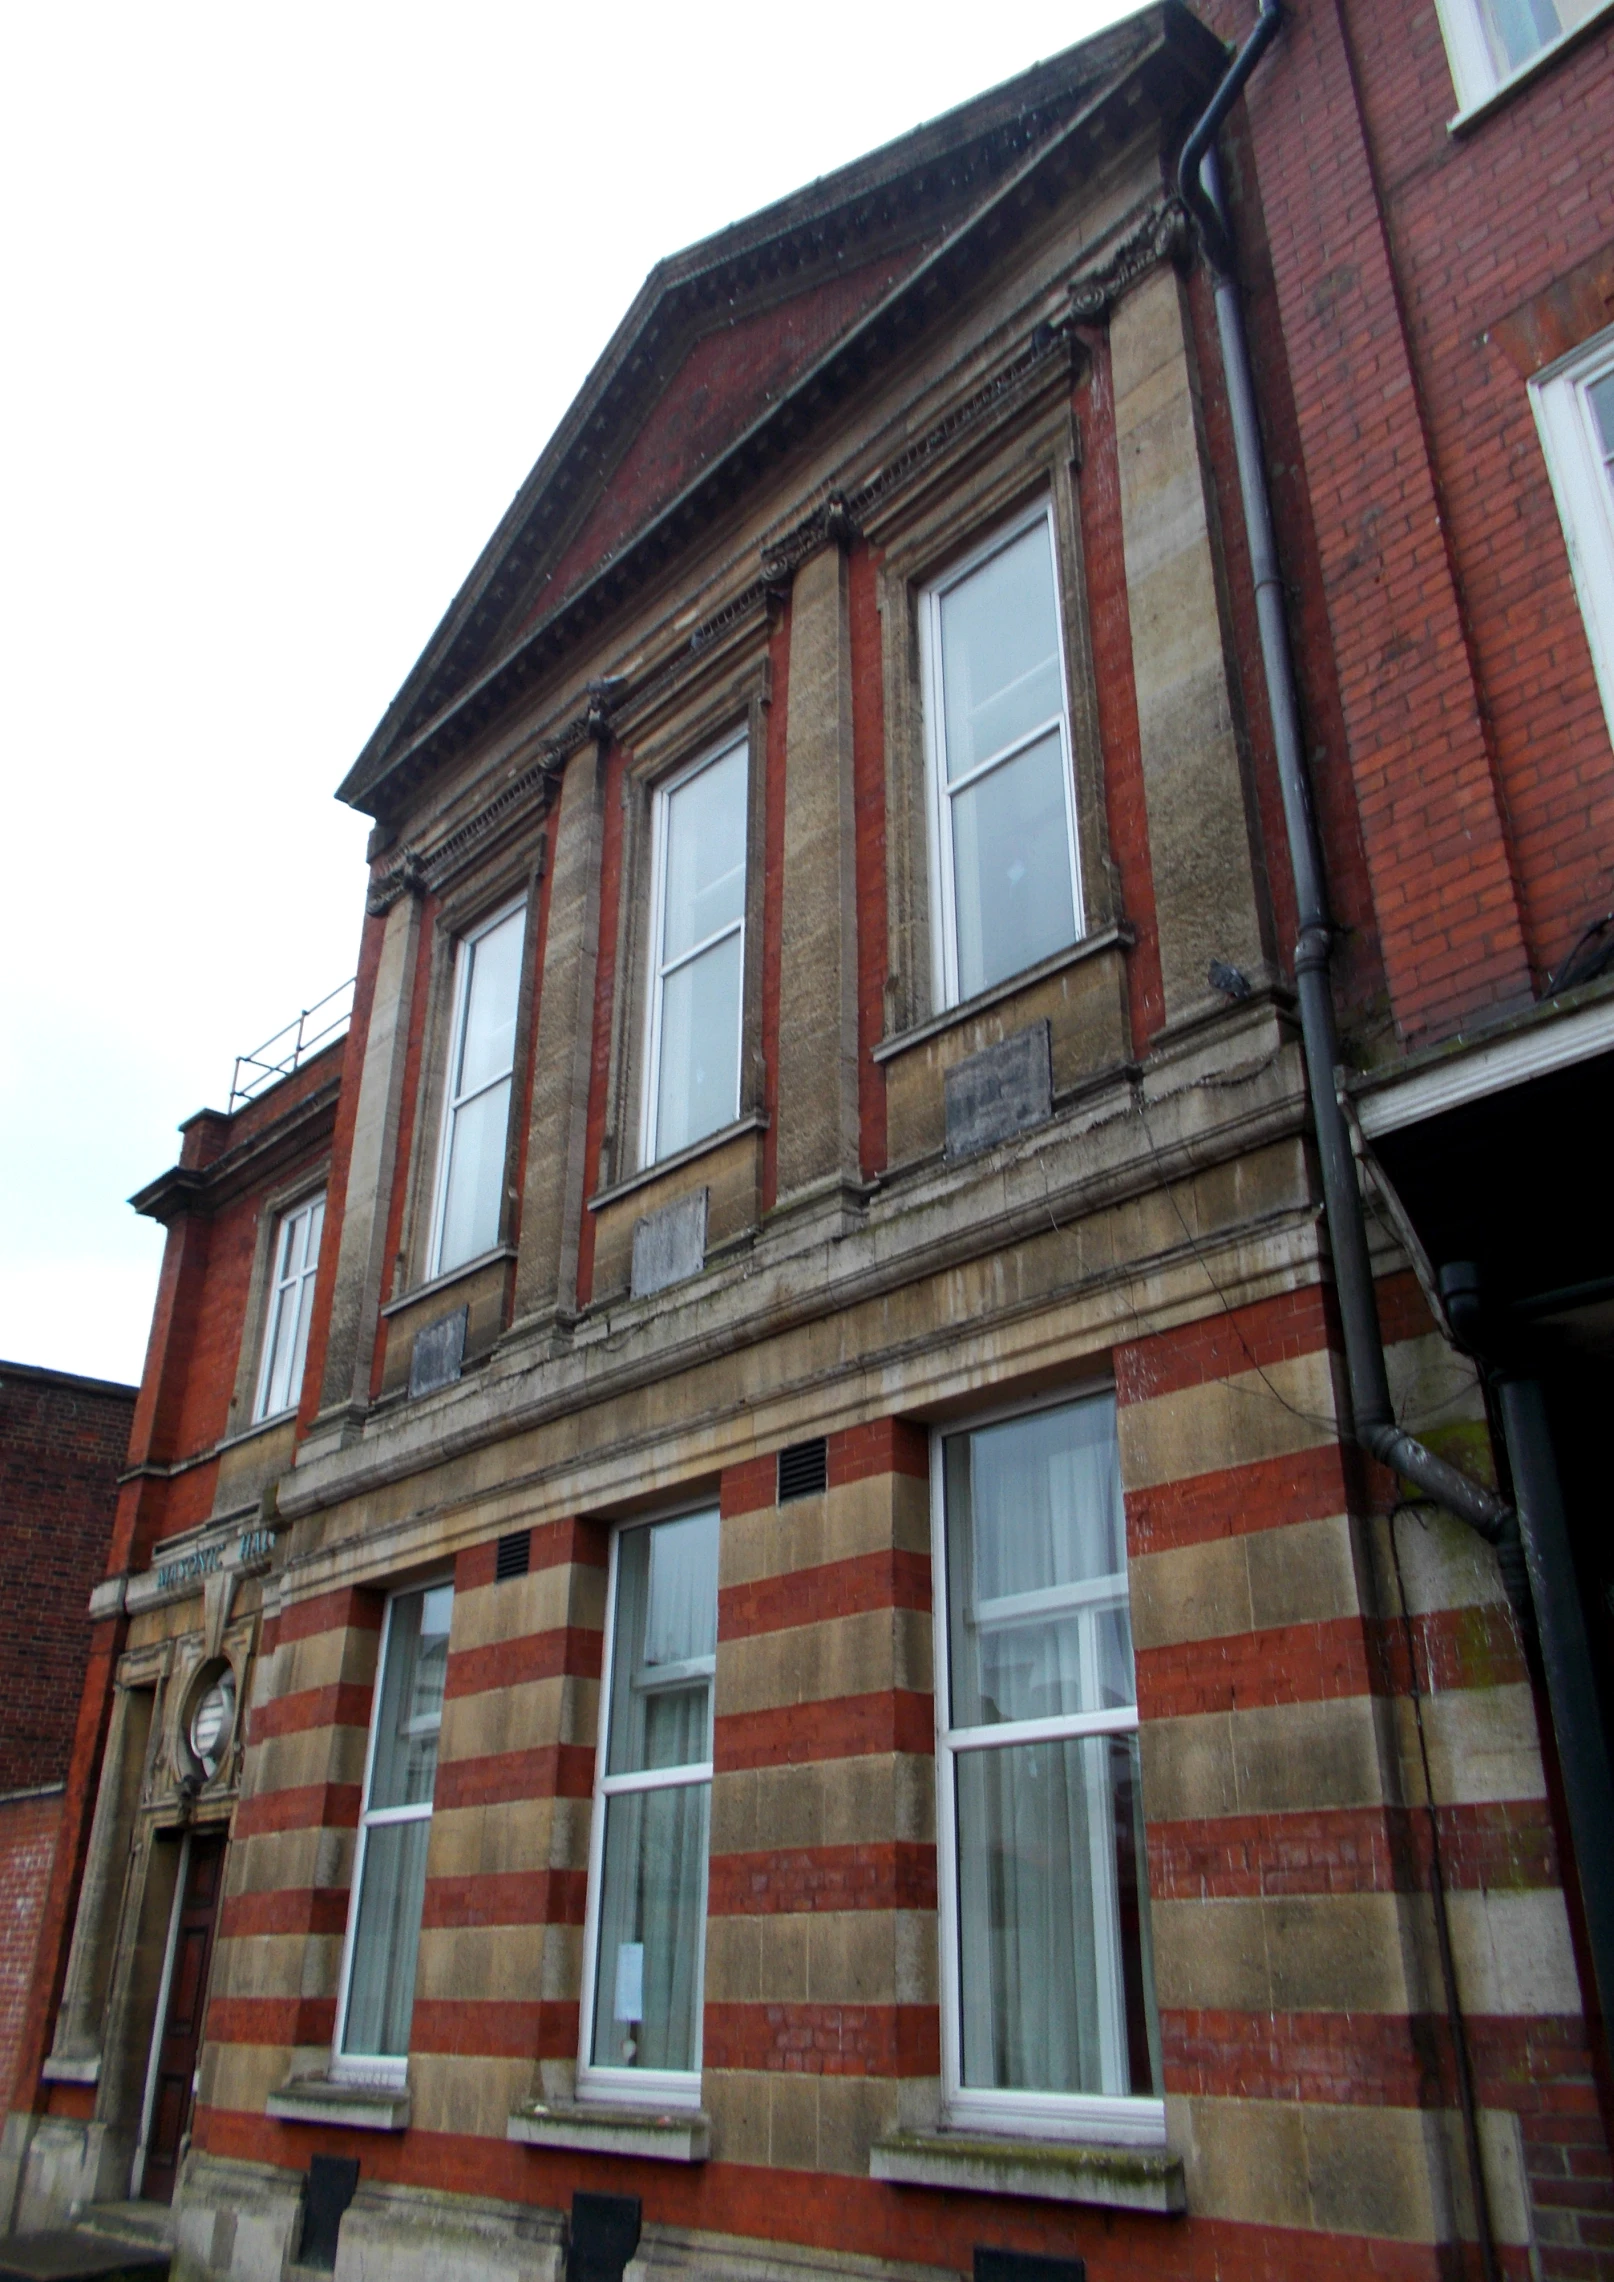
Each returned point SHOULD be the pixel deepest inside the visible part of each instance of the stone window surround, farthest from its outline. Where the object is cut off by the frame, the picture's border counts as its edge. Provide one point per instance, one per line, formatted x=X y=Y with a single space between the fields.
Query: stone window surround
x=660 y=917
x=699 y=717
x=362 y=2074
x=1583 y=489
x=670 y=2097
x=255 y=1316
x=1478 y=86
x=516 y=876
x=1105 y=2134
x=919 y=538
x=466 y=955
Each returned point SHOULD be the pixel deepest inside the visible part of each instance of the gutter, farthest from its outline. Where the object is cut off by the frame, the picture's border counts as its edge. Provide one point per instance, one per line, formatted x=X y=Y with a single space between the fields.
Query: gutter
x=1531 y=1542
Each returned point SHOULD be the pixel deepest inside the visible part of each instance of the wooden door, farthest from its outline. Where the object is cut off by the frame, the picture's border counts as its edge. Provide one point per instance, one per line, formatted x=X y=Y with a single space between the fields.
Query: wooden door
x=182 y=2025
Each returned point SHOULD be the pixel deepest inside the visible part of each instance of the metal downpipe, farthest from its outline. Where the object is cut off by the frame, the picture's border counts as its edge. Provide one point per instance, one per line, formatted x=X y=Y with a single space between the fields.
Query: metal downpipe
x=1373 y=1414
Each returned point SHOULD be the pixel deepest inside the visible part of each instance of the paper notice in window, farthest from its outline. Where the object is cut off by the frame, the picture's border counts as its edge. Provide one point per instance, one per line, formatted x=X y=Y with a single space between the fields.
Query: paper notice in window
x=630 y=1981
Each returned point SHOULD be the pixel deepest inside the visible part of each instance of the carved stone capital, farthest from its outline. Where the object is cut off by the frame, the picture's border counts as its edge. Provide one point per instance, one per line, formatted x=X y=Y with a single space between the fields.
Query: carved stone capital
x=1162 y=235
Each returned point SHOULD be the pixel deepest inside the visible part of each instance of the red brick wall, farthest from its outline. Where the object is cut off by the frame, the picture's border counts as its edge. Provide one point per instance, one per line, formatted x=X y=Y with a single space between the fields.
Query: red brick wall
x=1439 y=582
x=63 y=1443
x=27 y=1842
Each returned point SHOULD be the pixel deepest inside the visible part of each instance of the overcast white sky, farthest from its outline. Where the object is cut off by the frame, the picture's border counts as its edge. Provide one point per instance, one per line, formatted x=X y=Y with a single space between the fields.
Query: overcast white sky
x=293 y=297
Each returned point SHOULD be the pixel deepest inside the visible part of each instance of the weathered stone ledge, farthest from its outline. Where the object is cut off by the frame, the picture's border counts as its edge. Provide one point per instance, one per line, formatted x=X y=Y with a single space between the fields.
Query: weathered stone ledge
x=665 y=2135
x=1118 y=2178
x=327 y=2100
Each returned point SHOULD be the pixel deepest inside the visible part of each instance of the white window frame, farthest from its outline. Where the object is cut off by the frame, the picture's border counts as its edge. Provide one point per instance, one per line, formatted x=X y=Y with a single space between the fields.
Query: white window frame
x=1476 y=75
x=659 y=969
x=1583 y=486
x=385 y=2068
x=940 y=794
x=454 y=1102
x=638 y=2087
x=298 y=1291
x=1127 y=2120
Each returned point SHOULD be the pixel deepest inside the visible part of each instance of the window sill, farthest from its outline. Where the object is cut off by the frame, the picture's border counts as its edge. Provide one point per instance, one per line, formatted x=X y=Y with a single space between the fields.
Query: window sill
x=1118 y=937
x=1115 y=2178
x=326 y=2100
x=753 y=1123
x=55 y=2071
x=266 y=1425
x=1483 y=105
x=446 y=1282
x=664 y=2135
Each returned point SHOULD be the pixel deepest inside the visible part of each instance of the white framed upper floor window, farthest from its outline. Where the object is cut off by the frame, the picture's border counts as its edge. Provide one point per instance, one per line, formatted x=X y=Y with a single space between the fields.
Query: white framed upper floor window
x=697 y=952
x=1049 y=2024
x=1489 y=42
x=1004 y=877
x=294 y=1262
x=1574 y=408
x=376 y=1998
x=476 y=1098
x=646 y=1937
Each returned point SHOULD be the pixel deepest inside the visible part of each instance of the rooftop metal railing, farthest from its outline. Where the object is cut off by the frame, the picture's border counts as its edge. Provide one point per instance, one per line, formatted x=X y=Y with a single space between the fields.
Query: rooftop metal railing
x=278 y=1056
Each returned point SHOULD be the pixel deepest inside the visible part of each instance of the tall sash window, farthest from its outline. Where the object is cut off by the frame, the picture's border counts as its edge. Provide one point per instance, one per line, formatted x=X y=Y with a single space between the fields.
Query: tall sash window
x=377 y=1996
x=697 y=953
x=1005 y=883
x=1050 y=2018
x=651 y=1813
x=476 y=1107
x=291 y=1306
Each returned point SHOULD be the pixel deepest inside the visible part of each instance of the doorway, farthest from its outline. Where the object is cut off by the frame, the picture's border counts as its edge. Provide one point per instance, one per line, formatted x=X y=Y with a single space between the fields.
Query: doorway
x=176 y=2045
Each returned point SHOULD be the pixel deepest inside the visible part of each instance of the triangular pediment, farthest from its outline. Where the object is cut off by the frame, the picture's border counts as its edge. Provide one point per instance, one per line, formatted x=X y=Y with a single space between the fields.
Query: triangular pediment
x=728 y=336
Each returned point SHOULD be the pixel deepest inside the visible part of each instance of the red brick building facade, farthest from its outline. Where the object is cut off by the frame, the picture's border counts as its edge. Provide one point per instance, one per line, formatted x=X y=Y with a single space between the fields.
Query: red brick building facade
x=798 y=1660
x=63 y=1441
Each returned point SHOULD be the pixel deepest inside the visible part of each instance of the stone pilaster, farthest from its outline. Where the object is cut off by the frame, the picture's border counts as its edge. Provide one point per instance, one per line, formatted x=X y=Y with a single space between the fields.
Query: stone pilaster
x=360 y=1259
x=80 y=2018
x=818 y=1110
x=1207 y=898
x=557 y=1136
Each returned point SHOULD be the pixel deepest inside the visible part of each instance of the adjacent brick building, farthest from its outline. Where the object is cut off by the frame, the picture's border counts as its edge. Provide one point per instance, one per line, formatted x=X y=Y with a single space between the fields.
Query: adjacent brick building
x=751 y=1589
x=63 y=1441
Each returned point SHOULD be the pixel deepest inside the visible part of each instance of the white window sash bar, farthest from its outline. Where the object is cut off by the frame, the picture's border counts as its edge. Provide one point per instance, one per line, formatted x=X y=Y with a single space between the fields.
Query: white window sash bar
x=1116 y=1720
x=1048 y=1600
x=656 y=1779
x=1010 y=752
x=687 y=958
x=670 y=1675
x=376 y=1817
x=491 y=1085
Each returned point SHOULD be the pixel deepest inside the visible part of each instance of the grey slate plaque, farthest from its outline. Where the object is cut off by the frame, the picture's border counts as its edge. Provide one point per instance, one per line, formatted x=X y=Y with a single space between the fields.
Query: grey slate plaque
x=1000 y=1091
x=670 y=1244
x=436 y=1358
